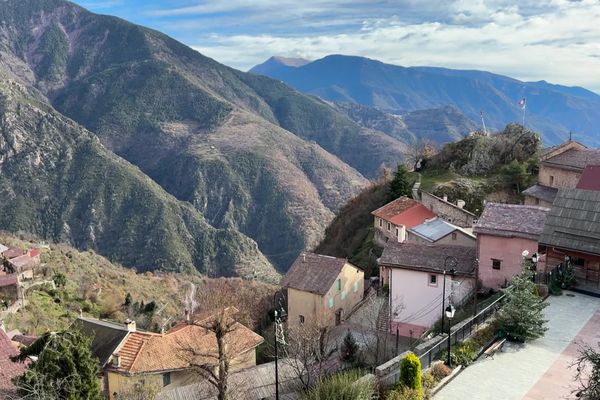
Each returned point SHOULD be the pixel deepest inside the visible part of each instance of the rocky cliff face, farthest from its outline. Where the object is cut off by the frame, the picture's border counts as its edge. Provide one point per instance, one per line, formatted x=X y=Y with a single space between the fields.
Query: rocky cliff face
x=250 y=161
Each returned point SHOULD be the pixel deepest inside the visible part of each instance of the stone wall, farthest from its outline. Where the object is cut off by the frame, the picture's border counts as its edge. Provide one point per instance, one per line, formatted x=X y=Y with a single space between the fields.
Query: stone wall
x=558 y=177
x=448 y=211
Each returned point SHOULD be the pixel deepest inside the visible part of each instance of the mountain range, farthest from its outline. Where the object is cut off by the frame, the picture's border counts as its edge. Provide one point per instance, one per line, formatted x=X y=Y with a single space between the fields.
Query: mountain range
x=553 y=110
x=119 y=139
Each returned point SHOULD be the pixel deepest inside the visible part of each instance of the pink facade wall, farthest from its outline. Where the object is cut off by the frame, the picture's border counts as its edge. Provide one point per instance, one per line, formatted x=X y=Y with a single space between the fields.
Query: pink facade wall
x=416 y=305
x=509 y=251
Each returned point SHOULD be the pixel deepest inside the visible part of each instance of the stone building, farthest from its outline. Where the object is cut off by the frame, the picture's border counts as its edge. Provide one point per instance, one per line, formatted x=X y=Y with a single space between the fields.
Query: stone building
x=453 y=213
x=561 y=167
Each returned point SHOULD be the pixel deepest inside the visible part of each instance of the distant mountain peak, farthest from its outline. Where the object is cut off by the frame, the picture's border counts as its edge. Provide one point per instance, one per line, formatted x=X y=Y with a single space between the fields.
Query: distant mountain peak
x=276 y=62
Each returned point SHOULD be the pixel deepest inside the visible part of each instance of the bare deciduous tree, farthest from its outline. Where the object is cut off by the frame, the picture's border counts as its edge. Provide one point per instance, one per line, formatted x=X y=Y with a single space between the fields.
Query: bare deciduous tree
x=309 y=347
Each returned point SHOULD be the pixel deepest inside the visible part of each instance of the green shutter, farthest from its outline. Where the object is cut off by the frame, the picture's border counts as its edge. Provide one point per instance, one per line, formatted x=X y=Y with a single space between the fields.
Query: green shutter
x=330 y=302
x=343 y=294
x=355 y=287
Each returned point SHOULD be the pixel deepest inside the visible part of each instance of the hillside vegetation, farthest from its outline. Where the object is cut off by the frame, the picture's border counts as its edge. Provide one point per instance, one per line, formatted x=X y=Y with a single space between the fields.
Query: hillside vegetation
x=477 y=168
x=100 y=289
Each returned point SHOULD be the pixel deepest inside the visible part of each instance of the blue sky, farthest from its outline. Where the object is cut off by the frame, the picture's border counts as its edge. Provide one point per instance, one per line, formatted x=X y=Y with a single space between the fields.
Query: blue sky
x=555 y=40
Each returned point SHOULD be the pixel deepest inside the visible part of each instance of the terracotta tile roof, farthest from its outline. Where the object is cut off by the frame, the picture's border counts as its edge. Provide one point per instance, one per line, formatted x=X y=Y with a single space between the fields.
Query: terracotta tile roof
x=12 y=253
x=314 y=273
x=8 y=280
x=428 y=257
x=512 y=220
x=144 y=352
x=23 y=262
x=575 y=159
x=404 y=211
x=34 y=252
x=590 y=178
x=541 y=192
x=8 y=369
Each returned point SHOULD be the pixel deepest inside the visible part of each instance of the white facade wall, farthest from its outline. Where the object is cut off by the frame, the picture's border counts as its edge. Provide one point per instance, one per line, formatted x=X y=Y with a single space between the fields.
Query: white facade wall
x=416 y=303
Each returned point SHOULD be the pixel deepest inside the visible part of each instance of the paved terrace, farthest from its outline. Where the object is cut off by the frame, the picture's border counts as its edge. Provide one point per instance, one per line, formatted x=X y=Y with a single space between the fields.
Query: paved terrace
x=538 y=370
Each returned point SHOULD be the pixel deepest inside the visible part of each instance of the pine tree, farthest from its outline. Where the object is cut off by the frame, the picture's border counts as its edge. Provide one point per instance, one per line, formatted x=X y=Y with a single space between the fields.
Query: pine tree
x=65 y=368
x=400 y=185
x=349 y=349
x=521 y=318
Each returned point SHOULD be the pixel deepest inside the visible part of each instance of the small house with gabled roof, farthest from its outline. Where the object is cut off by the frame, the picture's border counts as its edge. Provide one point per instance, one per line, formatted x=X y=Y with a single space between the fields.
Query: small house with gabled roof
x=561 y=167
x=392 y=221
x=504 y=232
x=322 y=289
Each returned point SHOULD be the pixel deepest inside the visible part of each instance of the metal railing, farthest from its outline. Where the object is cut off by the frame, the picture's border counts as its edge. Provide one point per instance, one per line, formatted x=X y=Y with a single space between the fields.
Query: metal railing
x=389 y=372
x=460 y=332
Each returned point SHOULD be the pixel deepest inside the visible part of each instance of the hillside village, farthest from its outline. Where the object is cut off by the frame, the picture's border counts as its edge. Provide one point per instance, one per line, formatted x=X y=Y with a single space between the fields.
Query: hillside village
x=443 y=269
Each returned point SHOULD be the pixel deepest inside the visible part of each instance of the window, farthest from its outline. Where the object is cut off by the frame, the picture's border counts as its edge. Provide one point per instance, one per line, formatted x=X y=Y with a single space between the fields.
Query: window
x=355 y=287
x=166 y=378
x=301 y=319
x=343 y=294
x=454 y=235
x=397 y=232
x=330 y=302
x=537 y=201
x=338 y=284
x=380 y=222
x=496 y=263
x=433 y=280
x=389 y=226
x=551 y=180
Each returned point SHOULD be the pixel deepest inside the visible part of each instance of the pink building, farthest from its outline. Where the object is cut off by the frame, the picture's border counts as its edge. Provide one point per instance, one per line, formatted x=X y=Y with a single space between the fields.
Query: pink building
x=504 y=232
x=415 y=273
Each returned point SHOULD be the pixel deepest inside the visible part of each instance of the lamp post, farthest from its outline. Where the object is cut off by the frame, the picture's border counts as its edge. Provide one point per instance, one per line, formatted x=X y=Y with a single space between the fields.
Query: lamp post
x=450 y=264
x=280 y=316
x=450 y=310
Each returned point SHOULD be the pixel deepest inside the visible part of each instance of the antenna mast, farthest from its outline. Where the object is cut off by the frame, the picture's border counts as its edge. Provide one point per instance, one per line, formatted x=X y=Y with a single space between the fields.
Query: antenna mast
x=483 y=123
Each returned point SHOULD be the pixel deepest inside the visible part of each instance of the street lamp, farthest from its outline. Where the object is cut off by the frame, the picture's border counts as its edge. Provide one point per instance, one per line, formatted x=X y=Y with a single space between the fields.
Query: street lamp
x=450 y=264
x=280 y=315
x=450 y=310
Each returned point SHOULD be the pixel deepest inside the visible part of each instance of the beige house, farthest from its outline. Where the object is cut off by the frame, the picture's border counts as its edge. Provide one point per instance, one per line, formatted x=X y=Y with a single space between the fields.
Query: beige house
x=131 y=359
x=322 y=289
x=439 y=231
x=560 y=168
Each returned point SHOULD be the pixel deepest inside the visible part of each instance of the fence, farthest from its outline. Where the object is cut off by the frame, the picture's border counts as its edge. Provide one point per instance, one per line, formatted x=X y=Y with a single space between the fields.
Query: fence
x=389 y=372
x=461 y=332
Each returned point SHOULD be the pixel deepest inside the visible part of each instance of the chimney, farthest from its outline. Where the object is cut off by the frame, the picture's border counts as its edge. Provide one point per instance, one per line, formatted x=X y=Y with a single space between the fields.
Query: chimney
x=303 y=257
x=130 y=325
x=187 y=315
x=460 y=203
x=116 y=360
x=445 y=197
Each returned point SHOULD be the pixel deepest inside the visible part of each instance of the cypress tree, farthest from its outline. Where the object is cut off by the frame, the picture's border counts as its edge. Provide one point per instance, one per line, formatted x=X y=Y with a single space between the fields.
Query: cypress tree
x=65 y=368
x=400 y=184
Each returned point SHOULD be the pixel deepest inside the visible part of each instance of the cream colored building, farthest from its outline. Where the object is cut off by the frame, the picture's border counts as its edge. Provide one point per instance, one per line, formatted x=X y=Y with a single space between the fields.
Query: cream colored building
x=560 y=168
x=321 y=289
x=133 y=360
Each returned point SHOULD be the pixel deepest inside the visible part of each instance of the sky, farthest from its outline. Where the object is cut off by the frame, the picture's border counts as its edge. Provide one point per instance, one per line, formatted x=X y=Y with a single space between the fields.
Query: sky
x=553 y=40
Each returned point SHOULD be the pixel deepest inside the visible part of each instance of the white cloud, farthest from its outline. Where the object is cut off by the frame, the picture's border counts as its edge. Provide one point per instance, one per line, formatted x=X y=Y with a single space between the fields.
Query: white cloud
x=559 y=43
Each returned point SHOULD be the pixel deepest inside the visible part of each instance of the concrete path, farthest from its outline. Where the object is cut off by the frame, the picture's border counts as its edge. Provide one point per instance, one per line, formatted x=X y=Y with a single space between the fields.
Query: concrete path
x=537 y=370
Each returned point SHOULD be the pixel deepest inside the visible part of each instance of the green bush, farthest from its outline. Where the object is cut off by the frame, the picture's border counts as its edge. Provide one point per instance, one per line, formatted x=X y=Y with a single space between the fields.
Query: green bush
x=404 y=393
x=464 y=353
x=485 y=335
x=346 y=385
x=410 y=372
